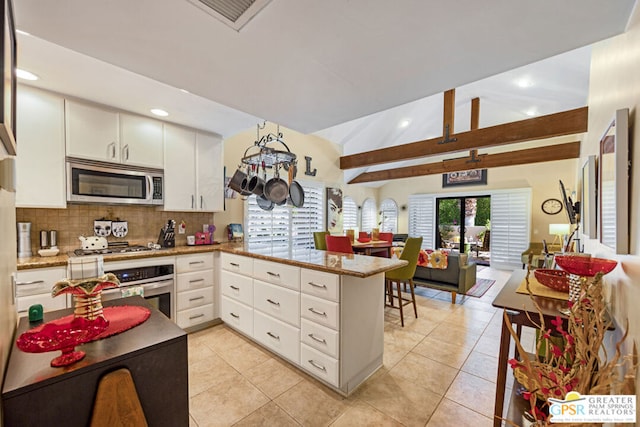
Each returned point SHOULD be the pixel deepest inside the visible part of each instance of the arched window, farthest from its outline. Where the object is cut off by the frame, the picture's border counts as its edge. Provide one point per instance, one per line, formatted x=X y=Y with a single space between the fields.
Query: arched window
x=369 y=215
x=349 y=213
x=388 y=216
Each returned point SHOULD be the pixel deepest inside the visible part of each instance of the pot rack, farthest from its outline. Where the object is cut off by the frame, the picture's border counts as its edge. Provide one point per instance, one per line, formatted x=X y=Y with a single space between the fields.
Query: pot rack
x=269 y=157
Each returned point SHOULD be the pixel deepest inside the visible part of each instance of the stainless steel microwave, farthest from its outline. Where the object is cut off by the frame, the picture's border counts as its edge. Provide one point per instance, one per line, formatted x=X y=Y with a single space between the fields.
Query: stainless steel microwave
x=98 y=182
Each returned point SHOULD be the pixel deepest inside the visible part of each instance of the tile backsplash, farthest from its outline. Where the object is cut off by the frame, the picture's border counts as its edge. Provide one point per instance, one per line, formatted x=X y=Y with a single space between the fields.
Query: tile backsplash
x=144 y=223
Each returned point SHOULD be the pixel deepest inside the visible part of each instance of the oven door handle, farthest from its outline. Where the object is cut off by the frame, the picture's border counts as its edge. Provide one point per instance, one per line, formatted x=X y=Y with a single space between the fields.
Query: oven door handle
x=156 y=285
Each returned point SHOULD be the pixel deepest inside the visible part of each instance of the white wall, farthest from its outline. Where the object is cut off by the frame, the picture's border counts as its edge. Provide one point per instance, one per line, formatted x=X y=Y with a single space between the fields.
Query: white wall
x=615 y=84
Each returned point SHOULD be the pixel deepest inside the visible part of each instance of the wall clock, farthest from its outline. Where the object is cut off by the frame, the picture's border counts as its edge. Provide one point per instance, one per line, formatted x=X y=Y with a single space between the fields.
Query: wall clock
x=551 y=206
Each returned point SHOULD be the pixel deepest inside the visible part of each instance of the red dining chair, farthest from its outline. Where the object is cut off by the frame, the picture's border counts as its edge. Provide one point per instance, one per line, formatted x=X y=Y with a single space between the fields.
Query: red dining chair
x=339 y=244
x=363 y=235
x=386 y=236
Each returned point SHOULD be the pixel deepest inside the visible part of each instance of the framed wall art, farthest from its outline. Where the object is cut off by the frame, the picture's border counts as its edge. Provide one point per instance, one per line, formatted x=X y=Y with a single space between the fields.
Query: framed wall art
x=613 y=184
x=470 y=177
x=588 y=199
x=334 y=210
x=8 y=81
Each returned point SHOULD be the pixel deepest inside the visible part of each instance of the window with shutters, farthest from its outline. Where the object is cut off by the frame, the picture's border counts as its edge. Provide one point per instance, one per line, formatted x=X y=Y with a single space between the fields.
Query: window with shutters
x=422 y=218
x=388 y=216
x=349 y=213
x=285 y=230
x=369 y=215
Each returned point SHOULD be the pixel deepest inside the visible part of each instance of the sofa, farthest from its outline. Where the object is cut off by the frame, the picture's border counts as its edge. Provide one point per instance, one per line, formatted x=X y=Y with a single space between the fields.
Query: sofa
x=457 y=278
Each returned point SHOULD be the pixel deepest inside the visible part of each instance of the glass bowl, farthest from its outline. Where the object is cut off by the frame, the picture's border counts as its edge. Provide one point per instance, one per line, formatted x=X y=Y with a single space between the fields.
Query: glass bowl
x=585 y=266
x=557 y=280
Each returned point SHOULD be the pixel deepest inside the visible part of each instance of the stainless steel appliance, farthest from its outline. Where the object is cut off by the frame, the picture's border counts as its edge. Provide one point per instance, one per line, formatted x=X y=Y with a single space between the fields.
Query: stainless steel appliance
x=157 y=283
x=113 y=248
x=24 y=239
x=98 y=182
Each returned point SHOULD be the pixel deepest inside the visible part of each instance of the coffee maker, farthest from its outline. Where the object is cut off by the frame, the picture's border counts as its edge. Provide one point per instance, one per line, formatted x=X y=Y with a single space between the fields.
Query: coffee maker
x=24 y=239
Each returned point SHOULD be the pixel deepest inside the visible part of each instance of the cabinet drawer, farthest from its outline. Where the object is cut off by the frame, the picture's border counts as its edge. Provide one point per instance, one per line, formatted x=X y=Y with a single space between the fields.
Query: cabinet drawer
x=320 y=284
x=48 y=303
x=281 y=303
x=194 y=280
x=279 y=274
x=194 y=262
x=237 y=264
x=38 y=281
x=195 y=316
x=320 y=310
x=278 y=336
x=237 y=287
x=319 y=364
x=194 y=298
x=324 y=339
x=237 y=315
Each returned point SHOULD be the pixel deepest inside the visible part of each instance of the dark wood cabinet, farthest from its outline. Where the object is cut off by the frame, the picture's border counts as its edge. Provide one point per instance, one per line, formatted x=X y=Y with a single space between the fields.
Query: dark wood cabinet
x=155 y=352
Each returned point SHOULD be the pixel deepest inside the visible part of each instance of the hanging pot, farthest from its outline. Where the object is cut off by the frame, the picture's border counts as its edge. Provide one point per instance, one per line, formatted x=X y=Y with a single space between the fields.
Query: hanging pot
x=236 y=182
x=256 y=184
x=296 y=192
x=276 y=189
x=264 y=203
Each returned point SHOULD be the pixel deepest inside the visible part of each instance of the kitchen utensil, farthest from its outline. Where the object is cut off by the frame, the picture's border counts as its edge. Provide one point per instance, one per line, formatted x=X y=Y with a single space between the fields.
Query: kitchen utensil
x=256 y=184
x=53 y=239
x=236 y=182
x=167 y=237
x=264 y=203
x=24 y=239
x=276 y=189
x=93 y=242
x=44 y=239
x=102 y=227
x=296 y=192
x=119 y=228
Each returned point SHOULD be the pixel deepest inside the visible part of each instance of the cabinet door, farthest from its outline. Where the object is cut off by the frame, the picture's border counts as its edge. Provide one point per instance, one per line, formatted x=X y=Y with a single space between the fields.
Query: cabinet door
x=141 y=141
x=91 y=132
x=179 y=170
x=210 y=170
x=40 y=174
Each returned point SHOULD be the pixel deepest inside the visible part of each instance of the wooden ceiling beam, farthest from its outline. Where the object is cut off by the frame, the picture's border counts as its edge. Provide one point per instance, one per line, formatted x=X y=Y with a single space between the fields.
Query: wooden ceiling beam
x=449 y=112
x=569 y=150
x=549 y=126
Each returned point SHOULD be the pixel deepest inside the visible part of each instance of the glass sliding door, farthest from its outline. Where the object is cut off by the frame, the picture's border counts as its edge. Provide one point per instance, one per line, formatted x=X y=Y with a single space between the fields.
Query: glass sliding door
x=462 y=223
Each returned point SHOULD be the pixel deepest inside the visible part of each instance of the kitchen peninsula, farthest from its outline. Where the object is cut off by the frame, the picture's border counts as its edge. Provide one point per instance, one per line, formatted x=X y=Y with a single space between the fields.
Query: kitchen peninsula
x=322 y=311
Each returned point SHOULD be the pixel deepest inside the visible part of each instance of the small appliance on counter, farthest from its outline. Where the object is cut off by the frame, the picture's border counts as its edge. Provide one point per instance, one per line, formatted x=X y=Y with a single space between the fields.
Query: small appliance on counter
x=24 y=240
x=167 y=237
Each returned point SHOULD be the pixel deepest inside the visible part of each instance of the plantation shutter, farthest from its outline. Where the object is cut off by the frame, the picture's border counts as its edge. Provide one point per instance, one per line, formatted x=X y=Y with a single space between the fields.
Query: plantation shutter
x=422 y=218
x=307 y=219
x=369 y=215
x=389 y=216
x=349 y=214
x=510 y=225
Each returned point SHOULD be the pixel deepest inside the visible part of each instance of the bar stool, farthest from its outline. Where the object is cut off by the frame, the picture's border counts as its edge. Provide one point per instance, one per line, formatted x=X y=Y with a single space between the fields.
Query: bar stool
x=404 y=275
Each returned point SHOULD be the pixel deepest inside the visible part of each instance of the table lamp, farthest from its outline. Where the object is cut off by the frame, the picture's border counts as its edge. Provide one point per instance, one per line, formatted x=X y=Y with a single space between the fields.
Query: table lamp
x=559 y=231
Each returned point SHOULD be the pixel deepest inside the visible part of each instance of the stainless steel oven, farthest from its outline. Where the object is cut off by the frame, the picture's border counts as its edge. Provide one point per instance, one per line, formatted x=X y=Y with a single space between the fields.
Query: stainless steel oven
x=156 y=284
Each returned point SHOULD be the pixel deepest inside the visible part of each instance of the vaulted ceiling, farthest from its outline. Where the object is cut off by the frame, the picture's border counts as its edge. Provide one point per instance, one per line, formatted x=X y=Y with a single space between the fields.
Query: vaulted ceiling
x=349 y=70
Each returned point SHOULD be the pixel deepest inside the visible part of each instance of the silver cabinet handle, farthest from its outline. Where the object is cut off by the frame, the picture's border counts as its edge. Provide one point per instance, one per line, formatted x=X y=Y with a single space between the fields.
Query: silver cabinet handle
x=317 y=365
x=125 y=152
x=273 y=274
x=320 y=340
x=274 y=336
x=33 y=282
x=201 y=202
x=319 y=313
x=235 y=288
x=234 y=315
x=233 y=264
x=273 y=302
x=113 y=149
x=315 y=285
x=196 y=316
x=193 y=201
x=196 y=280
x=196 y=262
x=195 y=299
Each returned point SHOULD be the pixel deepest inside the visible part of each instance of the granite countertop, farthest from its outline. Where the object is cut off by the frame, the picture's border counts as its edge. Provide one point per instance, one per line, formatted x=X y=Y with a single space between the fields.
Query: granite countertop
x=331 y=262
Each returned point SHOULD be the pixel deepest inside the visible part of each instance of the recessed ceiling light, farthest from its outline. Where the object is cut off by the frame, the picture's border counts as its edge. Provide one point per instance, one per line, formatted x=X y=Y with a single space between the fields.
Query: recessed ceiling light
x=404 y=123
x=159 y=112
x=24 y=33
x=531 y=113
x=26 y=75
x=184 y=91
x=524 y=82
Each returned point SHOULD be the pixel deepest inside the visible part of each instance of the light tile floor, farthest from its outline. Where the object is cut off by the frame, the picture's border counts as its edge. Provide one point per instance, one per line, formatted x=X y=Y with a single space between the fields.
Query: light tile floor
x=439 y=370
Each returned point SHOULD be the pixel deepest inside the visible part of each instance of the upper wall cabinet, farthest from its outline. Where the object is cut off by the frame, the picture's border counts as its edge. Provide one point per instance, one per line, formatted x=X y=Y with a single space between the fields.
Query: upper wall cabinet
x=40 y=167
x=97 y=133
x=193 y=171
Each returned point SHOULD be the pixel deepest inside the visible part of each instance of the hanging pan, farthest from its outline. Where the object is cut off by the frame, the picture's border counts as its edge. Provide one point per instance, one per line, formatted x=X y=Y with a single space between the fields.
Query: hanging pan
x=236 y=182
x=264 y=203
x=256 y=184
x=276 y=189
x=296 y=192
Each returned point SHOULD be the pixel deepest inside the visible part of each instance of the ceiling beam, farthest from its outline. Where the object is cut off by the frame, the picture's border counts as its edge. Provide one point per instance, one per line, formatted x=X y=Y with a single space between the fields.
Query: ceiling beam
x=448 y=116
x=549 y=126
x=569 y=150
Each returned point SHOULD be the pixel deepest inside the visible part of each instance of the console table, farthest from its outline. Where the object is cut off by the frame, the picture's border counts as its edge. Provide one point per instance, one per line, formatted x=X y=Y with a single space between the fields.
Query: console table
x=155 y=353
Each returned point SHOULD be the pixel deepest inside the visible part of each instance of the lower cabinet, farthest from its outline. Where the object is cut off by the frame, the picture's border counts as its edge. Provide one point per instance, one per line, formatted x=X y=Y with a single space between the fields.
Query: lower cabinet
x=34 y=287
x=276 y=335
x=195 y=291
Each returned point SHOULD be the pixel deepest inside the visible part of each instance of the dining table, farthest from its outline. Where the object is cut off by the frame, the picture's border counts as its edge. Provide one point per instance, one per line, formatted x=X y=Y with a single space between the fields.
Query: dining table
x=372 y=246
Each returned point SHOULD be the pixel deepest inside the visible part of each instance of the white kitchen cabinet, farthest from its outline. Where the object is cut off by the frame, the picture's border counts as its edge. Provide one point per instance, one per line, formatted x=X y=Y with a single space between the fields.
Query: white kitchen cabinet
x=195 y=289
x=99 y=133
x=34 y=287
x=193 y=170
x=40 y=164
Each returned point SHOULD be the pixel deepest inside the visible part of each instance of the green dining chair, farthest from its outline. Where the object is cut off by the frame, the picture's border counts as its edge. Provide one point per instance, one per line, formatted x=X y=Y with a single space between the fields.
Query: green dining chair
x=319 y=241
x=403 y=275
